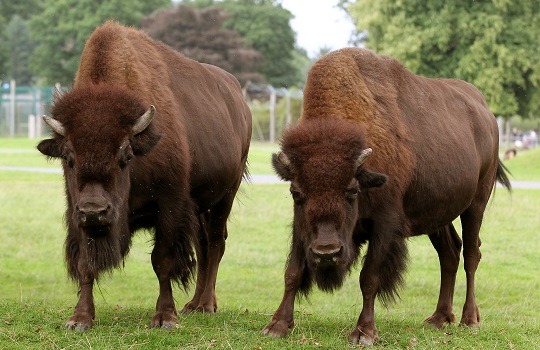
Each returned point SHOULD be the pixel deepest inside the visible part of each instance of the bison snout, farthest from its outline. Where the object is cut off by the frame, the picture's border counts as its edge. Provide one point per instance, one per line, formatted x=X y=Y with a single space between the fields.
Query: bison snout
x=94 y=214
x=327 y=253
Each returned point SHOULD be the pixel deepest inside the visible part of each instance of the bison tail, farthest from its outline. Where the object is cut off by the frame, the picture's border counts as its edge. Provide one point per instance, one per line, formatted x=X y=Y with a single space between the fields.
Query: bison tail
x=502 y=176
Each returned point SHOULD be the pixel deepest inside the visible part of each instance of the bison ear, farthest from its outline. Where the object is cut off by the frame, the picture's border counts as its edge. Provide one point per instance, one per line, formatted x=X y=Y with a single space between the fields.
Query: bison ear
x=50 y=147
x=368 y=179
x=282 y=165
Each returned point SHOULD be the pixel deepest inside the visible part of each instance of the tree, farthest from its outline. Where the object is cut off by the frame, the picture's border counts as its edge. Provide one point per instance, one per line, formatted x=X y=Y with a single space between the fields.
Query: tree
x=199 y=34
x=3 y=49
x=494 y=45
x=25 y=9
x=19 y=48
x=301 y=63
x=63 y=26
x=266 y=25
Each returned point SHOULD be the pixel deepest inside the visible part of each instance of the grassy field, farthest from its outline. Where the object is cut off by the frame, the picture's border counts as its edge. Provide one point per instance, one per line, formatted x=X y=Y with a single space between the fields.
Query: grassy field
x=37 y=298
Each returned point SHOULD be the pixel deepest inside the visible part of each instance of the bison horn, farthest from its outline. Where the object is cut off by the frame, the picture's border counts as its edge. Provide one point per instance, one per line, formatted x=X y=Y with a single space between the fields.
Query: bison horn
x=144 y=120
x=55 y=125
x=283 y=159
x=363 y=156
x=58 y=92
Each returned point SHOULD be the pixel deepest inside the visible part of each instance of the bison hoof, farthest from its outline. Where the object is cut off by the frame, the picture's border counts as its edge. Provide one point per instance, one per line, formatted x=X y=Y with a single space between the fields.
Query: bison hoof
x=438 y=319
x=471 y=318
x=365 y=336
x=80 y=322
x=470 y=322
x=277 y=329
x=188 y=308
x=164 y=319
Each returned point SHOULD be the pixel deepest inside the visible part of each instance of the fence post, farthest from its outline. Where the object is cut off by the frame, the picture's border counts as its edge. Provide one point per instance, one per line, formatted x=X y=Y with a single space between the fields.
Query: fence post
x=31 y=126
x=272 y=114
x=288 y=118
x=12 y=108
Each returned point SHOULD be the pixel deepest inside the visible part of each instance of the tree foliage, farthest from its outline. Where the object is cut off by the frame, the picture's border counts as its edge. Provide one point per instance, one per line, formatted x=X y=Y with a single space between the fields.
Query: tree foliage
x=493 y=44
x=64 y=25
x=24 y=8
x=199 y=33
x=3 y=48
x=266 y=25
x=19 y=48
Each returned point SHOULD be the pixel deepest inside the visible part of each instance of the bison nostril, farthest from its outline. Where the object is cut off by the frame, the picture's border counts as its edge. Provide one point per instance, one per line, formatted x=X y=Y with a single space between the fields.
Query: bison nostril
x=93 y=214
x=104 y=211
x=327 y=253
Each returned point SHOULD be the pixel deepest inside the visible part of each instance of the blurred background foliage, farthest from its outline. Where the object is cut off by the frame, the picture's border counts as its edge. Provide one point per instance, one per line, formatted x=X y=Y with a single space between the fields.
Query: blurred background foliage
x=493 y=44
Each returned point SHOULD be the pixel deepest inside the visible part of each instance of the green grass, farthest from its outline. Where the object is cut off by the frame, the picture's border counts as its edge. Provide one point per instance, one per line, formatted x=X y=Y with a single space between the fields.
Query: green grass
x=37 y=298
x=526 y=166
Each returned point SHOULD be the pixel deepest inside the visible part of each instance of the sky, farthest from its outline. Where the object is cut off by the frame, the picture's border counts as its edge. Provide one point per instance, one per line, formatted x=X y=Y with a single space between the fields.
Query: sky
x=318 y=24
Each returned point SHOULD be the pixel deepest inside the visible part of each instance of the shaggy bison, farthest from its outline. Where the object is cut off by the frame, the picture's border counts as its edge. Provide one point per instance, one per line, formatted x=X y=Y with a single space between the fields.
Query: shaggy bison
x=148 y=139
x=380 y=155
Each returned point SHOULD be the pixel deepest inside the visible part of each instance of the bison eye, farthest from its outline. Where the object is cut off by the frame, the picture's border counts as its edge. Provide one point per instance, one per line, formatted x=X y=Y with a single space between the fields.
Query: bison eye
x=125 y=160
x=351 y=193
x=68 y=159
x=298 y=197
x=125 y=157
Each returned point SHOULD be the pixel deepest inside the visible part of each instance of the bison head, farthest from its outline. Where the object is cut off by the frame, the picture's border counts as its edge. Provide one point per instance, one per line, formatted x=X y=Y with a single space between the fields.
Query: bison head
x=324 y=161
x=97 y=131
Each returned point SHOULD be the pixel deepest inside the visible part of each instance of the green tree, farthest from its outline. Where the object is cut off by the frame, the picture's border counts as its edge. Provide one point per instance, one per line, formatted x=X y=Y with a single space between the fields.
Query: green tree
x=493 y=44
x=24 y=8
x=63 y=26
x=266 y=25
x=19 y=48
x=199 y=34
x=3 y=49
x=301 y=63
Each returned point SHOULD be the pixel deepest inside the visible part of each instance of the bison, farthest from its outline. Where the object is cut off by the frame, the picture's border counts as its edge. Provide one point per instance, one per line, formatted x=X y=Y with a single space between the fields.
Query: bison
x=380 y=155
x=148 y=139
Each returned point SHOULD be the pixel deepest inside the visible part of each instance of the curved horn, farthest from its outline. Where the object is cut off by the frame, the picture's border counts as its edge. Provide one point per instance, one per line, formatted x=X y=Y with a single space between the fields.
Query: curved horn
x=58 y=92
x=144 y=120
x=55 y=125
x=363 y=156
x=283 y=159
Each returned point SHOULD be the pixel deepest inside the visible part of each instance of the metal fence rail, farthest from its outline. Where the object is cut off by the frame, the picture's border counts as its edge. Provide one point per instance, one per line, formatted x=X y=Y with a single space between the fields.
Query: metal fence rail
x=21 y=108
x=273 y=109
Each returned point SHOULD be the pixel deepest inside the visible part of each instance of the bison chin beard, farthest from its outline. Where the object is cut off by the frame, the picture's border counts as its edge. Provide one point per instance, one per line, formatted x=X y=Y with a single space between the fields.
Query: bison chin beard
x=329 y=278
x=105 y=250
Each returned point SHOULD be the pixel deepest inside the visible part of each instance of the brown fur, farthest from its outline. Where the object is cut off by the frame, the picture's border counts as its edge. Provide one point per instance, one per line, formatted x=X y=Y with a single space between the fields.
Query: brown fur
x=435 y=157
x=190 y=160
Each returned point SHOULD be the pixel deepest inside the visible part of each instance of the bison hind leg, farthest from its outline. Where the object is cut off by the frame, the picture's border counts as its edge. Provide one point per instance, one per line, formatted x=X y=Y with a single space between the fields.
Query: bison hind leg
x=447 y=243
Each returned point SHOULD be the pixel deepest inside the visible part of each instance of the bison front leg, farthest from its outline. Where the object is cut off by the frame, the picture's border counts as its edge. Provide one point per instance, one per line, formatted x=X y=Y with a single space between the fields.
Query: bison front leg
x=85 y=312
x=163 y=263
x=173 y=256
x=381 y=275
x=283 y=318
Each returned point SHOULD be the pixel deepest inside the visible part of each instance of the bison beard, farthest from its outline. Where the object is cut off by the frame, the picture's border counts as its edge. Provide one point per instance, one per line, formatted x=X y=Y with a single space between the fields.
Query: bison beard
x=329 y=278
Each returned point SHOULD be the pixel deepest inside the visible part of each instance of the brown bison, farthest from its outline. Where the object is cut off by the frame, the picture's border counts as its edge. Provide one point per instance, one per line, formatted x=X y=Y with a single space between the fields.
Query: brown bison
x=175 y=167
x=435 y=157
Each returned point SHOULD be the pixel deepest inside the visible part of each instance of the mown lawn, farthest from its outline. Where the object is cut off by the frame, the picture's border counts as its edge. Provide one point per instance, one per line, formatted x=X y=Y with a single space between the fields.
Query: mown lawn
x=37 y=298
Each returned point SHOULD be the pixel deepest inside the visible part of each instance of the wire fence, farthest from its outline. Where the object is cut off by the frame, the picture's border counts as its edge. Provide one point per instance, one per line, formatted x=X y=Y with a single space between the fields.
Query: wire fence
x=273 y=110
x=21 y=108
